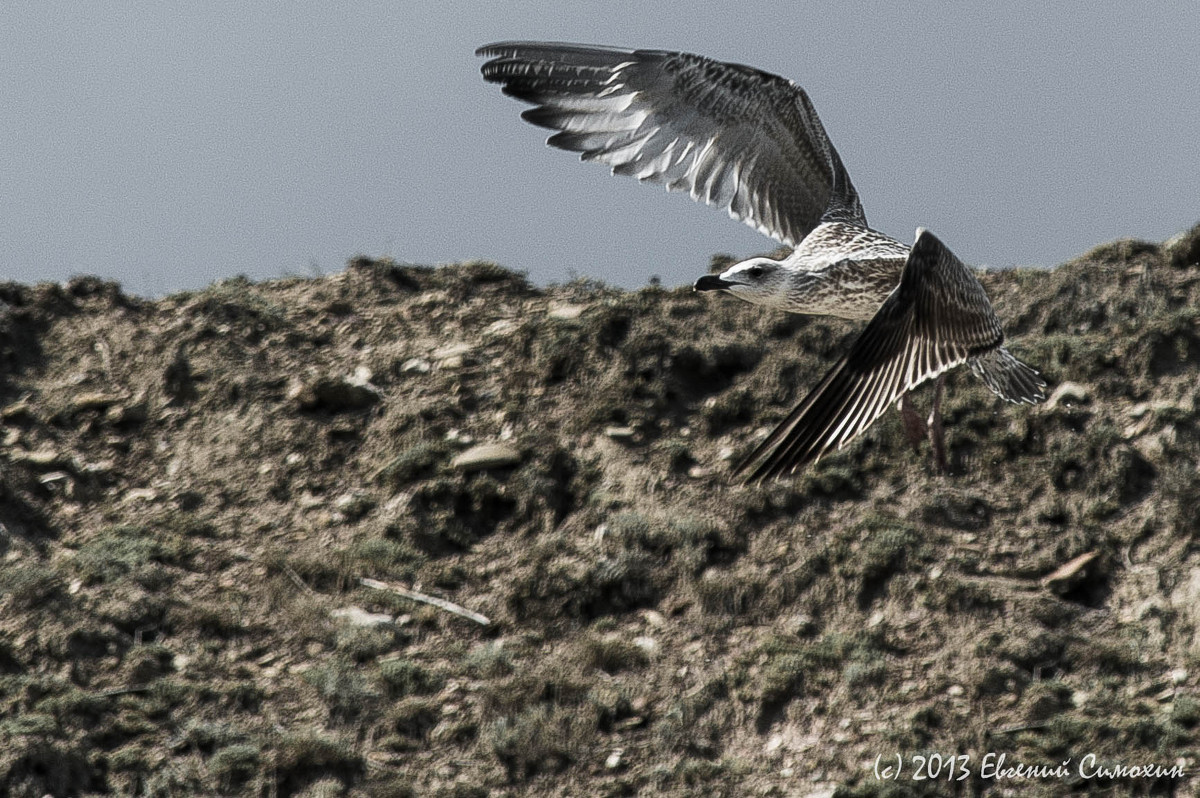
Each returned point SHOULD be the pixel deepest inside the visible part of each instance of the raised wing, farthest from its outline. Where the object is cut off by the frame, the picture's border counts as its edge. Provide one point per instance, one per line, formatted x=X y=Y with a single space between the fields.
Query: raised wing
x=935 y=319
x=729 y=135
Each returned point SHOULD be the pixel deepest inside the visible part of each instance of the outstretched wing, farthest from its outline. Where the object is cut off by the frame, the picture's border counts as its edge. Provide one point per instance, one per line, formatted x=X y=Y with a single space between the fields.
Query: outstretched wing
x=730 y=135
x=937 y=318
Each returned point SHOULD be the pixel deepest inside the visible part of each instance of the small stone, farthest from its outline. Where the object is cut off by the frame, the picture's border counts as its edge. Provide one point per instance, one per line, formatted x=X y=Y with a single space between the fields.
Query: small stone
x=486 y=455
x=94 y=401
x=1069 y=393
x=332 y=394
x=655 y=618
x=800 y=625
x=566 y=312
x=55 y=479
x=309 y=500
x=451 y=354
x=415 y=364
x=501 y=327
x=620 y=433
x=353 y=505
x=131 y=413
x=956 y=690
x=646 y=644
x=1070 y=574
x=1178 y=676
x=1138 y=410
x=42 y=458
x=356 y=616
x=21 y=410
x=614 y=759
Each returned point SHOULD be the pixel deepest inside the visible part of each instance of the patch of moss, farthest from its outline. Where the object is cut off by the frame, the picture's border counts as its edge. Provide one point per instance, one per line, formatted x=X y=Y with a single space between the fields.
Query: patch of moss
x=345 y=690
x=129 y=550
x=29 y=585
x=404 y=677
x=234 y=765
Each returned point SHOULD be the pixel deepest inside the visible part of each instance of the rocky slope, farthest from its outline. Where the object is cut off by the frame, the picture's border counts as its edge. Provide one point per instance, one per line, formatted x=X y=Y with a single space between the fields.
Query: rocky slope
x=193 y=489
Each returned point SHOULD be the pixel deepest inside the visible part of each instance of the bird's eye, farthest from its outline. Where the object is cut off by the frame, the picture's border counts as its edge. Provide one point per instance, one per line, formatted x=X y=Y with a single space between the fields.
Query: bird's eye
x=756 y=271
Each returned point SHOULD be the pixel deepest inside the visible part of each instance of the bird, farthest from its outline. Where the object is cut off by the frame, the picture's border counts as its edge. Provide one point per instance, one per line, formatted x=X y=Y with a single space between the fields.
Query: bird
x=749 y=141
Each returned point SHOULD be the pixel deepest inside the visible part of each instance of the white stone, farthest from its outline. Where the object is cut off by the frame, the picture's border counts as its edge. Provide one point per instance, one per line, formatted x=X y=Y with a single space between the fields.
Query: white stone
x=486 y=455
x=356 y=616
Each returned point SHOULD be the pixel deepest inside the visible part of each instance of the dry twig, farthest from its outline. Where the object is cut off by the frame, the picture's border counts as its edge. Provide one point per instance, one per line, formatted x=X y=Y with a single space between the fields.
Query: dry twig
x=448 y=606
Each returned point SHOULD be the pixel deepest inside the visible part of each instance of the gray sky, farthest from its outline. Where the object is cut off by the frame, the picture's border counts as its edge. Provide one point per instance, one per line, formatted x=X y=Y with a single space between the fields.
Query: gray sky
x=166 y=145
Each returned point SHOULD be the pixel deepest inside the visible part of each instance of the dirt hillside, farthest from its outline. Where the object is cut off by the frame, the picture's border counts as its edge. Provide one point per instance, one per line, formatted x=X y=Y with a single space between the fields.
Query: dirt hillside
x=193 y=489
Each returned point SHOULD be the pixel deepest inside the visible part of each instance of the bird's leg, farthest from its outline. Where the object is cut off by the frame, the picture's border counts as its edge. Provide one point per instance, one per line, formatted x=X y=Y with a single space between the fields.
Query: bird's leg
x=936 y=437
x=914 y=426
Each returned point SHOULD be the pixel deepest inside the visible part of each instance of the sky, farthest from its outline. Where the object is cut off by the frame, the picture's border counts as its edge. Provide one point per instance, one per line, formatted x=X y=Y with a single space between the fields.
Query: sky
x=167 y=145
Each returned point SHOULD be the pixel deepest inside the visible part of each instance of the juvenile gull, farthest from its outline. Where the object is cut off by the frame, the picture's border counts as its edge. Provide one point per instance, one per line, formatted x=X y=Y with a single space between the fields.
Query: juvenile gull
x=751 y=142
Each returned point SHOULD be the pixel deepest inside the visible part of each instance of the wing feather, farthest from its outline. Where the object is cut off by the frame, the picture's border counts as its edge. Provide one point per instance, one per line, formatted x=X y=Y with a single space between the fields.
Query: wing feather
x=937 y=318
x=729 y=135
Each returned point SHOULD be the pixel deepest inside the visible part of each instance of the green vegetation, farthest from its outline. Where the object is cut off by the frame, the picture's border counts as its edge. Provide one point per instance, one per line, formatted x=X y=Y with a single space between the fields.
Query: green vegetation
x=183 y=546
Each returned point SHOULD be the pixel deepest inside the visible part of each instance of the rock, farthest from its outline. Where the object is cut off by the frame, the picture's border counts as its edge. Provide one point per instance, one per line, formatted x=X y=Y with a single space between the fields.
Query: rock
x=415 y=365
x=20 y=410
x=486 y=455
x=333 y=394
x=453 y=356
x=501 y=327
x=356 y=616
x=140 y=495
x=655 y=618
x=353 y=505
x=129 y=413
x=614 y=759
x=566 y=312
x=620 y=433
x=1069 y=393
x=94 y=401
x=1070 y=574
x=647 y=644
x=44 y=459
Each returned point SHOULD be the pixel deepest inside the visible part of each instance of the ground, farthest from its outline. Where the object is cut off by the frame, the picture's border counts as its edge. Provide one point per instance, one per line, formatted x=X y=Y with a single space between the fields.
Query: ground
x=192 y=490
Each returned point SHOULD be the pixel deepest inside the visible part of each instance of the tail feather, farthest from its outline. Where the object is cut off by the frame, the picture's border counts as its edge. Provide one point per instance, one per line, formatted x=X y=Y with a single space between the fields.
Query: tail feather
x=1009 y=378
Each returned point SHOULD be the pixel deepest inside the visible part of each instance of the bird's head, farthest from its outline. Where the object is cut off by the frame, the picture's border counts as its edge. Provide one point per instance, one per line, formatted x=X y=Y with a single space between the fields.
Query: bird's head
x=761 y=281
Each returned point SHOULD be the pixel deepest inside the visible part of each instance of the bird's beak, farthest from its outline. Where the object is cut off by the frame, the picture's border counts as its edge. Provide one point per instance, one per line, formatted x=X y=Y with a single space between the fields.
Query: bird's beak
x=711 y=282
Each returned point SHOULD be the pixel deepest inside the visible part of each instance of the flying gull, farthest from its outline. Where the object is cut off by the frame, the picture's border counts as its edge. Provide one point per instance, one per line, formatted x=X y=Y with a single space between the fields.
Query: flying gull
x=751 y=142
